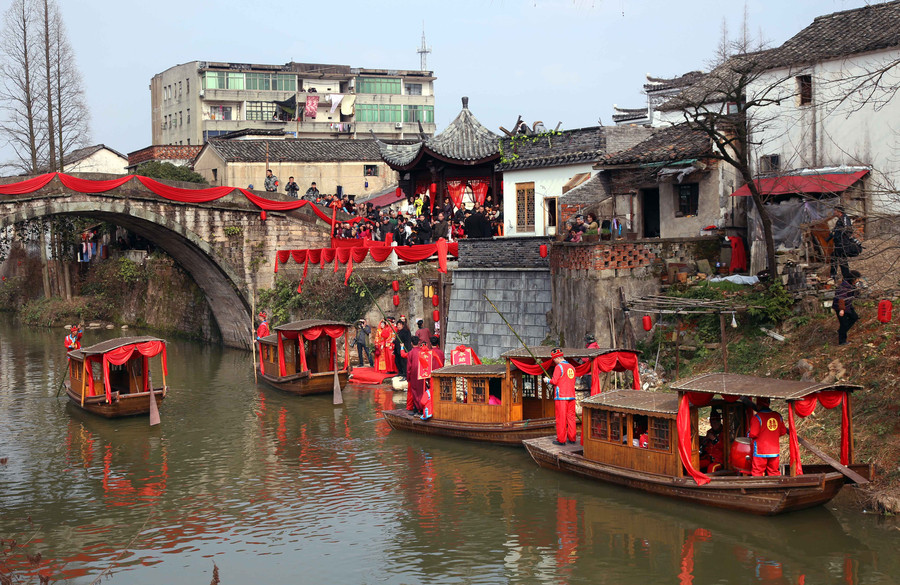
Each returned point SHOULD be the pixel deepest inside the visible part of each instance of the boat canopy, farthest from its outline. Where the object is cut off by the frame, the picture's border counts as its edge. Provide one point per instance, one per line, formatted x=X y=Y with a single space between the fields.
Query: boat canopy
x=311 y=329
x=117 y=352
x=597 y=360
x=665 y=403
x=310 y=324
x=801 y=397
x=483 y=370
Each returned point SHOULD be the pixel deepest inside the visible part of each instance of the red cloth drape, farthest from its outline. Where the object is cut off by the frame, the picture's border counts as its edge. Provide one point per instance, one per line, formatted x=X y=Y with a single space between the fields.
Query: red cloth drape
x=456 y=189
x=89 y=186
x=683 y=422
x=27 y=186
x=185 y=195
x=122 y=354
x=616 y=361
x=738 y=254
x=321 y=256
x=829 y=399
x=479 y=189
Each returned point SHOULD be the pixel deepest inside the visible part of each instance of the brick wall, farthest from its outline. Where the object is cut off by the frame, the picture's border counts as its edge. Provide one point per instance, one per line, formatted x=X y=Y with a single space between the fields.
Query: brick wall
x=510 y=252
x=620 y=255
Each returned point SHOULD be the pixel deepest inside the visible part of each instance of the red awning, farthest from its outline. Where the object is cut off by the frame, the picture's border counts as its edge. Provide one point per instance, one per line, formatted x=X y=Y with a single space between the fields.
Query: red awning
x=384 y=199
x=824 y=183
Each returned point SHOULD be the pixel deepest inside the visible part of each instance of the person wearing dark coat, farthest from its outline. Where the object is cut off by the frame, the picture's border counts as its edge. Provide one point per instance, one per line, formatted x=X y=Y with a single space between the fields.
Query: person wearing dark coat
x=402 y=344
x=472 y=225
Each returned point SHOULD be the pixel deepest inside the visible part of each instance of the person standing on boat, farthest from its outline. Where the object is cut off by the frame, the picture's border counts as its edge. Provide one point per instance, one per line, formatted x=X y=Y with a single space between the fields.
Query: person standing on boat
x=73 y=339
x=263 y=329
x=712 y=448
x=427 y=361
x=564 y=381
x=422 y=333
x=402 y=345
x=766 y=428
x=415 y=386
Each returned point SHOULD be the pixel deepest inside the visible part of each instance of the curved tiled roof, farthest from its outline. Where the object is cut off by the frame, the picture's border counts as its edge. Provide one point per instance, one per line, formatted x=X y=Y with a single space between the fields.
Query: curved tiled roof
x=566 y=147
x=296 y=150
x=464 y=140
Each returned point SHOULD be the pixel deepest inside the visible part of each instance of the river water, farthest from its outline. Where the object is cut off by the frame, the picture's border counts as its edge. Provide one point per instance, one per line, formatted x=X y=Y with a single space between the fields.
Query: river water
x=272 y=488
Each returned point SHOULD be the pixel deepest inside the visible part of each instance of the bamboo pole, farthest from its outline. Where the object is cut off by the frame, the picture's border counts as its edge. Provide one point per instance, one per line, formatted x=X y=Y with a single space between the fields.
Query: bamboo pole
x=536 y=360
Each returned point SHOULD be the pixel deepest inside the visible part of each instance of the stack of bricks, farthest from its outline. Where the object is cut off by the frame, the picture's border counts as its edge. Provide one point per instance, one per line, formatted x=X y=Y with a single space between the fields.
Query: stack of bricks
x=613 y=256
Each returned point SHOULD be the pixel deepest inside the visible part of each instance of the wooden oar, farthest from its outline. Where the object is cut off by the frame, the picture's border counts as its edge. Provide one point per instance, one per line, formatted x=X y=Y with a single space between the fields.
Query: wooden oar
x=62 y=377
x=338 y=398
x=154 y=409
x=832 y=462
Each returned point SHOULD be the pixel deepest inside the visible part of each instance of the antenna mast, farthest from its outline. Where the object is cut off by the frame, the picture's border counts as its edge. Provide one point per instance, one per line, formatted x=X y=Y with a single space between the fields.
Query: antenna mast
x=423 y=51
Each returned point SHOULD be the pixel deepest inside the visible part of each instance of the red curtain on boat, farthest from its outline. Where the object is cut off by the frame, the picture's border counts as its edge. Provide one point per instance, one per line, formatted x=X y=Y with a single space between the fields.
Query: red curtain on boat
x=332 y=331
x=479 y=189
x=683 y=422
x=829 y=399
x=122 y=354
x=616 y=361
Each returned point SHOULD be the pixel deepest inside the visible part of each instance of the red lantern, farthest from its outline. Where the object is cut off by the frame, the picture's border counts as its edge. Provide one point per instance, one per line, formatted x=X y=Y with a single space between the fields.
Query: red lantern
x=543 y=250
x=436 y=316
x=262 y=215
x=396 y=300
x=396 y=286
x=434 y=300
x=884 y=311
x=399 y=192
x=433 y=188
x=648 y=324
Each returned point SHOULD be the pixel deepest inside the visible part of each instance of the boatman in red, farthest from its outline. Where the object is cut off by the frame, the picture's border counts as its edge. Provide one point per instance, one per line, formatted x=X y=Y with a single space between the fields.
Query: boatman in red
x=766 y=428
x=564 y=381
x=73 y=339
x=263 y=329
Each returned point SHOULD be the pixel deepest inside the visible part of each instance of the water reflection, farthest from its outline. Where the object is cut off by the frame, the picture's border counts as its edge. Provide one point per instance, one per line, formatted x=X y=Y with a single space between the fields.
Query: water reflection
x=276 y=488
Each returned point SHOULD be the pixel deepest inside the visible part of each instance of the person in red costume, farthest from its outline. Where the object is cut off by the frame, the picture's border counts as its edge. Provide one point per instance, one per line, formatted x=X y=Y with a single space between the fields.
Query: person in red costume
x=415 y=387
x=564 y=381
x=712 y=447
x=263 y=329
x=766 y=428
x=73 y=339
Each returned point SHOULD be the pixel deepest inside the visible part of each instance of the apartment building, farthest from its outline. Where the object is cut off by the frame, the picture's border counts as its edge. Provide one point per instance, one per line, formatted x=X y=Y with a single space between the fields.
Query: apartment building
x=199 y=100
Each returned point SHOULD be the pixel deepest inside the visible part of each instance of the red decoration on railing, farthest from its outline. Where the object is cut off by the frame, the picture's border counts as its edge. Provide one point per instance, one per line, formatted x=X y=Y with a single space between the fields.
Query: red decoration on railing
x=396 y=300
x=436 y=316
x=434 y=300
x=648 y=323
x=543 y=250
x=884 y=311
x=396 y=285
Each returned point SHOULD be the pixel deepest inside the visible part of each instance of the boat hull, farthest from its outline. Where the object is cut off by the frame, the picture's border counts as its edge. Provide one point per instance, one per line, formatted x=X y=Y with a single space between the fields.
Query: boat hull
x=305 y=385
x=510 y=433
x=766 y=496
x=122 y=405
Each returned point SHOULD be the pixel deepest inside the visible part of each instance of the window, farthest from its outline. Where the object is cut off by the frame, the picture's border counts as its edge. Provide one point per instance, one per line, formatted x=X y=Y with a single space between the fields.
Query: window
x=478 y=393
x=687 y=200
x=187 y=83
x=461 y=391
x=389 y=113
x=271 y=82
x=804 y=89
x=600 y=424
x=659 y=434
x=189 y=141
x=424 y=114
x=413 y=89
x=551 y=203
x=220 y=112
x=214 y=79
x=235 y=80
x=179 y=89
x=446 y=389
x=770 y=163
x=378 y=113
x=370 y=170
x=377 y=85
x=525 y=207
x=215 y=173
x=188 y=115
x=260 y=110
x=530 y=386
x=515 y=390
x=618 y=431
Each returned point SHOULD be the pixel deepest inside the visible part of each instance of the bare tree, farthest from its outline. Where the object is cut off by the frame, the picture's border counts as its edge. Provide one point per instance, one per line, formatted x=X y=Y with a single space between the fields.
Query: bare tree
x=18 y=88
x=48 y=78
x=72 y=114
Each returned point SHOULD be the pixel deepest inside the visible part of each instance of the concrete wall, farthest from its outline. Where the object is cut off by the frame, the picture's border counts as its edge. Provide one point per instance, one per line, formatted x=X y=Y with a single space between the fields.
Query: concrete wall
x=102 y=161
x=548 y=182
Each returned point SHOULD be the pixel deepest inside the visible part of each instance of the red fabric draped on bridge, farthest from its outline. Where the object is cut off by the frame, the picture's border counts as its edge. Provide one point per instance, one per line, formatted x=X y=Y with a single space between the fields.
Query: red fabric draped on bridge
x=89 y=186
x=829 y=399
x=122 y=354
x=27 y=186
x=616 y=361
x=184 y=195
x=683 y=422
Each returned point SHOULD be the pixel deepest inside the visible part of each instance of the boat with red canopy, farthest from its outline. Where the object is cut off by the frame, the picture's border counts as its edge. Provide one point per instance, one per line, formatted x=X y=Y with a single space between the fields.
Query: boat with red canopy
x=112 y=378
x=506 y=403
x=667 y=460
x=301 y=357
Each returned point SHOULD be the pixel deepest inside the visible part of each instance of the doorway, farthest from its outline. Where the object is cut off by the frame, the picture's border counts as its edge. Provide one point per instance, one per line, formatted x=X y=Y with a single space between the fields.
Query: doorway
x=650 y=211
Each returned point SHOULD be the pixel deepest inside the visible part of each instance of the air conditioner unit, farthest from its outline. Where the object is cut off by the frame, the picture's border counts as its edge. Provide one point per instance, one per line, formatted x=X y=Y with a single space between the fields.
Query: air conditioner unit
x=399 y=125
x=201 y=93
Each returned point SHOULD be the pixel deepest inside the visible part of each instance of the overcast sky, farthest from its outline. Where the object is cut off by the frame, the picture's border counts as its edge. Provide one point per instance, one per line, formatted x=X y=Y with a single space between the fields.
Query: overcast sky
x=563 y=61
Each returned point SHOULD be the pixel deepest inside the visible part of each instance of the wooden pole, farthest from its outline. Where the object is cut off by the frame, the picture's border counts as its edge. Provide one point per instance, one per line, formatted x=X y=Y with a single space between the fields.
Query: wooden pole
x=677 y=346
x=253 y=342
x=722 y=342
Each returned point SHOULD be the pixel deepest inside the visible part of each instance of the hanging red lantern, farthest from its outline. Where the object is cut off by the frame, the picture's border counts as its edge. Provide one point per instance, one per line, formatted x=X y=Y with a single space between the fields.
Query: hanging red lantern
x=433 y=188
x=543 y=250
x=648 y=323
x=436 y=316
x=396 y=286
x=262 y=215
x=434 y=300
x=396 y=300
x=399 y=192
x=884 y=311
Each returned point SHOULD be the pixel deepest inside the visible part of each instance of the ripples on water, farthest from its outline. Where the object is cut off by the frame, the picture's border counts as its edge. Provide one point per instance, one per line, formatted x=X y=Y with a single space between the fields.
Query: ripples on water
x=274 y=488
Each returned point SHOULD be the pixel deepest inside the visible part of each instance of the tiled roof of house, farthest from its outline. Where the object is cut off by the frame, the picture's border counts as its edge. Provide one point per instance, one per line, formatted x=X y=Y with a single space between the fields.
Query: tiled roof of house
x=666 y=145
x=591 y=191
x=296 y=150
x=624 y=114
x=661 y=83
x=465 y=139
x=564 y=148
x=83 y=153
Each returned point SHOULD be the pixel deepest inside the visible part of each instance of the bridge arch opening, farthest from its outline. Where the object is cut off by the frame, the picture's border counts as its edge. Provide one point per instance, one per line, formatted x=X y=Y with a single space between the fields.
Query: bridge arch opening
x=215 y=277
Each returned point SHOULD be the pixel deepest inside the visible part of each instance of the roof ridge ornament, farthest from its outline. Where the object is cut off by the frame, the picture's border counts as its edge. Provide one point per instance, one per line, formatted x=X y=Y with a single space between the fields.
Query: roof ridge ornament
x=465 y=102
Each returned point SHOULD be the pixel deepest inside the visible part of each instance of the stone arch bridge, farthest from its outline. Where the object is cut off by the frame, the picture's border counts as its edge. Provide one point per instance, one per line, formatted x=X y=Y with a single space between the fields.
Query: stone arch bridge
x=227 y=265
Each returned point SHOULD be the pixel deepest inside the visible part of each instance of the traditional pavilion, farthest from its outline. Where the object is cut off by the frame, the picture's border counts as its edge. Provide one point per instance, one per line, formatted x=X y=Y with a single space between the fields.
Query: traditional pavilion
x=458 y=160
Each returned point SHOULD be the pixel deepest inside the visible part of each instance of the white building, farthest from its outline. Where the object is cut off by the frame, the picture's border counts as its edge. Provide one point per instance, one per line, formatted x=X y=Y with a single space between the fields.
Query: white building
x=199 y=100
x=95 y=159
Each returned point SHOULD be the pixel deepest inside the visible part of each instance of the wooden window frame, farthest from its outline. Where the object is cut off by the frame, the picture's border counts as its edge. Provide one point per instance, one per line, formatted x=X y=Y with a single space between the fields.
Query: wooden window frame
x=525 y=211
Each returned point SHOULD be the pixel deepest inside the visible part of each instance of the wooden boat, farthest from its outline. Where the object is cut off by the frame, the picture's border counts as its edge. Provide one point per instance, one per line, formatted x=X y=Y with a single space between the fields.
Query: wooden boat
x=112 y=378
x=461 y=396
x=300 y=357
x=668 y=464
